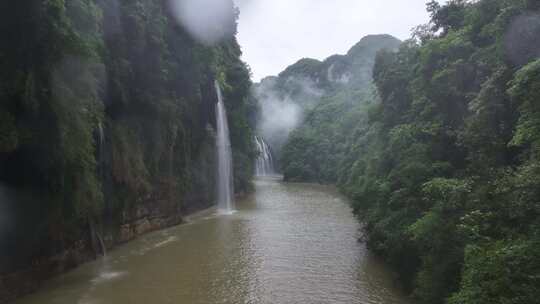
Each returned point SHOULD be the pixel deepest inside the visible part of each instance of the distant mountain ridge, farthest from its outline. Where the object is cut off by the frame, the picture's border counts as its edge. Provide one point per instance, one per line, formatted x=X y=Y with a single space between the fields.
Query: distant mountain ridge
x=351 y=69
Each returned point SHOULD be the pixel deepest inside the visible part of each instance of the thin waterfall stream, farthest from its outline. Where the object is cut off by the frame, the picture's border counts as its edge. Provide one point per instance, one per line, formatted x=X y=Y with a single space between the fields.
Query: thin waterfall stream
x=102 y=245
x=224 y=181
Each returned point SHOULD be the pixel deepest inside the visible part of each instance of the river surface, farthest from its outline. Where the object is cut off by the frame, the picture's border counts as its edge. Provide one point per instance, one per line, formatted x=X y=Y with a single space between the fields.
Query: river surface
x=287 y=243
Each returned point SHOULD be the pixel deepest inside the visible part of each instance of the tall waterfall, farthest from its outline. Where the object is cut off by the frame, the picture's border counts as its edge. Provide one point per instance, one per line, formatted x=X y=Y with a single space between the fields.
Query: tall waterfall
x=264 y=165
x=101 y=151
x=224 y=157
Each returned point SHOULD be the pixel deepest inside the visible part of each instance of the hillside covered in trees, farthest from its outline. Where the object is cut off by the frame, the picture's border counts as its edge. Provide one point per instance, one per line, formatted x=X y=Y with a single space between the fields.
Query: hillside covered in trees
x=442 y=161
x=106 y=128
x=313 y=91
x=315 y=148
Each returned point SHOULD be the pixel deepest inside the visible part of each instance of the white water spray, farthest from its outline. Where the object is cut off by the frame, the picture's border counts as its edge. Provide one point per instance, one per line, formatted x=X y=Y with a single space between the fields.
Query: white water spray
x=224 y=157
x=264 y=164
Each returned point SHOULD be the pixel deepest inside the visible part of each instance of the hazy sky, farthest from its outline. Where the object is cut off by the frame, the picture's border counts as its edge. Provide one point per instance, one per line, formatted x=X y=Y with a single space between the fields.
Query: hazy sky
x=276 y=33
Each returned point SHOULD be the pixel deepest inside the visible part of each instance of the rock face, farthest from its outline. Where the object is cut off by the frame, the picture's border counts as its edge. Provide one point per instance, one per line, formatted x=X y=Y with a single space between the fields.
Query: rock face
x=146 y=220
x=106 y=129
x=156 y=211
x=141 y=220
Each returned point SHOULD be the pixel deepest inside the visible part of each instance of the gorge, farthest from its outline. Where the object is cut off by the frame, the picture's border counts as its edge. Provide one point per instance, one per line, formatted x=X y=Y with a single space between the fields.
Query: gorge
x=140 y=163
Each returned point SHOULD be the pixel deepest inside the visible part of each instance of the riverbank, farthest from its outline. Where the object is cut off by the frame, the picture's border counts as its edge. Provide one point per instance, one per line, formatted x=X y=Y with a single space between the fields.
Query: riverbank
x=141 y=221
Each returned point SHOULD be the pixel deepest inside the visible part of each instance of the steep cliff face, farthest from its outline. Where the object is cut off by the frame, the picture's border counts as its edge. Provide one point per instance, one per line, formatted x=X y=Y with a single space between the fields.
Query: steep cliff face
x=106 y=129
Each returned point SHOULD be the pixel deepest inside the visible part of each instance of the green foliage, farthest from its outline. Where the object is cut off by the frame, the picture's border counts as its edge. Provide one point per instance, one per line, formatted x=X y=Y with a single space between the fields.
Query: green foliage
x=105 y=106
x=444 y=171
x=525 y=92
x=315 y=150
x=307 y=66
x=501 y=272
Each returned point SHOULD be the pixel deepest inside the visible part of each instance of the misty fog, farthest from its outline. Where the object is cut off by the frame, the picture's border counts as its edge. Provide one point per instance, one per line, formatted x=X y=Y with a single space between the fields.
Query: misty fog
x=281 y=113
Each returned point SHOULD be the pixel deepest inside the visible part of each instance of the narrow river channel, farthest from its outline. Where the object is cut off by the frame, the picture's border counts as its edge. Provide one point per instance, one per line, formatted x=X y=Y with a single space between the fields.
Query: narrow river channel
x=288 y=243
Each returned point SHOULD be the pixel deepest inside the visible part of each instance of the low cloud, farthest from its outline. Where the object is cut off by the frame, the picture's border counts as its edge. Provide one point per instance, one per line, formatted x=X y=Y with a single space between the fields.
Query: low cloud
x=282 y=107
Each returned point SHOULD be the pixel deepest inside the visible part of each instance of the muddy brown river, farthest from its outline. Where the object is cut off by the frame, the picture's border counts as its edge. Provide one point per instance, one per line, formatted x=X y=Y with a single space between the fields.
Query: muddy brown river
x=287 y=243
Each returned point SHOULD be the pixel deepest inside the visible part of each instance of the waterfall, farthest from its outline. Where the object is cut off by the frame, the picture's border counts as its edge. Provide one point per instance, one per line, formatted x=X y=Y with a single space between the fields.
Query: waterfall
x=101 y=150
x=224 y=157
x=96 y=238
x=102 y=244
x=264 y=164
x=101 y=135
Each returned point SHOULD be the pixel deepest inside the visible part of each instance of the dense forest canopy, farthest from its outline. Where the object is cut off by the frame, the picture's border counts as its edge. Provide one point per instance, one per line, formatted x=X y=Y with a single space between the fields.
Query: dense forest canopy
x=442 y=162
